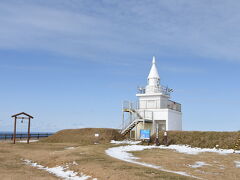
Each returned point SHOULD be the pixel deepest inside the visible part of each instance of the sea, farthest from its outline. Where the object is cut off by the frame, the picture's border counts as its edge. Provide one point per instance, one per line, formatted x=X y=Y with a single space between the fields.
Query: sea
x=21 y=135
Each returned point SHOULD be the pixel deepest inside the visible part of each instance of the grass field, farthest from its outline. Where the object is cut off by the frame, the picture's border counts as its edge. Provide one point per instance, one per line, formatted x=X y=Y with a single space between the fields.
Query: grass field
x=82 y=152
x=91 y=160
x=216 y=166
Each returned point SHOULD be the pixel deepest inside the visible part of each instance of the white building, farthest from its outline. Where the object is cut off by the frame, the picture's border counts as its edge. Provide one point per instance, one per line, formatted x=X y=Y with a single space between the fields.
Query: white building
x=154 y=108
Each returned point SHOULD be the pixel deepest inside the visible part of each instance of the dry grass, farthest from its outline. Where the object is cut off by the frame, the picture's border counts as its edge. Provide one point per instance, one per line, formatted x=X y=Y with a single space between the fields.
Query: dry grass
x=84 y=136
x=91 y=160
x=221 y=167
x=203 y=139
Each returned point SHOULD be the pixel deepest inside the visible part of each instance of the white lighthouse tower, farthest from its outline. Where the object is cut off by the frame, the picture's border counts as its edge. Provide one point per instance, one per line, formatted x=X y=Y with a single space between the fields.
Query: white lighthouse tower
x=153 y=109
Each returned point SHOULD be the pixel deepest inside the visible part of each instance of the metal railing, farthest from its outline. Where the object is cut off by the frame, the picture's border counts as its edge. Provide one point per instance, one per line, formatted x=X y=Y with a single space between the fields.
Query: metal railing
x=161 y=89
x=128 y=122
x=130 y=105
x=174 y=106
x=7 y=136
x=134 y=113
x=131 y=108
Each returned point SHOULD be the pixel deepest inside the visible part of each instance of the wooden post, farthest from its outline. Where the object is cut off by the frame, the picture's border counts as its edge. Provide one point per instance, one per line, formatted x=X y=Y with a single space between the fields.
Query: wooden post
x=29 y=122
x=14 y=131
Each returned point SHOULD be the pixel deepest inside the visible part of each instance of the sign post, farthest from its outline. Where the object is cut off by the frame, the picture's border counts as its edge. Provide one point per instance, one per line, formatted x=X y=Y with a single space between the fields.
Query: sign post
x=145 y=135
x=96 y=138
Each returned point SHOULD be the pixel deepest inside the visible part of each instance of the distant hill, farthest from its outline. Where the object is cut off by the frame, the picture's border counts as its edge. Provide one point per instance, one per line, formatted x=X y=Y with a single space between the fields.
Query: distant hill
x=84 y=136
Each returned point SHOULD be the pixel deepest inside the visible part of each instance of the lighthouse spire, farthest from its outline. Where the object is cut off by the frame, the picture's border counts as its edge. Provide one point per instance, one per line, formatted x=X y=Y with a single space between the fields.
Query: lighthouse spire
x=154 y=60
x=153 y=79
x=153 y=72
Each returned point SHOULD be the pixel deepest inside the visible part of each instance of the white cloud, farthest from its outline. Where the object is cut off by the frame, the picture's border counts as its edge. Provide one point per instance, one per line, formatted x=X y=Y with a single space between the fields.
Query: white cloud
x=102 y=29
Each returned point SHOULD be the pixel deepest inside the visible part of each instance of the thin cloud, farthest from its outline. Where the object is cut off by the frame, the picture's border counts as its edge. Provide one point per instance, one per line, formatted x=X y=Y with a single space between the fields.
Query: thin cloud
x=90 y=30
x=179 y=69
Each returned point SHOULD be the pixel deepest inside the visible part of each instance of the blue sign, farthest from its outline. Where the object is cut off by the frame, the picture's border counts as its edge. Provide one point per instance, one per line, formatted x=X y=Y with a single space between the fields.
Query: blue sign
x=144 y=134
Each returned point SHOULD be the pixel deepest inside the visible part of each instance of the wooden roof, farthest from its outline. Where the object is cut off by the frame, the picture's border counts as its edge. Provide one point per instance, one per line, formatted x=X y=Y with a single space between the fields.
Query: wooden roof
x=22 y=113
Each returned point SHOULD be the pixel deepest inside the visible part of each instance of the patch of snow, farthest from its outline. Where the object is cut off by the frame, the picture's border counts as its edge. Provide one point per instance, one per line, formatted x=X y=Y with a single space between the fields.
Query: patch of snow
x=74 y=163
x=198 y=164
x=237 y=164
x=59 y=171
x=221 y=166
x=122 y=153
x=190 y=150
x=69 y=148
x=182 y=148
x=125 y=142
x=25 y=141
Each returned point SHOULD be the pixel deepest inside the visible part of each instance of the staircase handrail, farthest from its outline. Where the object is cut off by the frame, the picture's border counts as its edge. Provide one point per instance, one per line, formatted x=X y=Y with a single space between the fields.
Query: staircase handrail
x=128 y=125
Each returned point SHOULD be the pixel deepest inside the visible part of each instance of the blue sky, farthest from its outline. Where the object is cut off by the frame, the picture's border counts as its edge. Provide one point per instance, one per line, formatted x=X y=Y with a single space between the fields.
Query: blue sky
x=71 y=63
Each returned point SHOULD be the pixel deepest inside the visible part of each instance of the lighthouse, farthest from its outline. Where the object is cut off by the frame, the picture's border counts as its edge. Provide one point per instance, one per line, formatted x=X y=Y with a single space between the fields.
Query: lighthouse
x=153 y=110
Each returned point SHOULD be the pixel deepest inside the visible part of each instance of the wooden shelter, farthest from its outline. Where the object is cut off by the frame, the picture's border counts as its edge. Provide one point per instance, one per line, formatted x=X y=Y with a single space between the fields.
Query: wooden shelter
x=21 y=116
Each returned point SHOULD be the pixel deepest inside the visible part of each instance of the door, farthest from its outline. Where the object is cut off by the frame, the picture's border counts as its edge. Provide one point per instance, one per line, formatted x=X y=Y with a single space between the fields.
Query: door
x=161 y=125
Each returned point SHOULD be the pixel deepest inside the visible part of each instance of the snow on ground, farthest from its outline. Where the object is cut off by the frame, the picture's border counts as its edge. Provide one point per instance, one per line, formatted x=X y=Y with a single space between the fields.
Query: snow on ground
x=25 y=141
x=122 y=153
x=69 y=148
x=237 y=164
x=59 y=171
x=198 y=164
x=189 y=150
x=73 y=163
x=125 y=142
x=181 y=148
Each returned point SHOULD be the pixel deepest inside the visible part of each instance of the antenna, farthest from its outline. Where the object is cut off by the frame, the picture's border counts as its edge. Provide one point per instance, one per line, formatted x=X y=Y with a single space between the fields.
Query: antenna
x=170 y=90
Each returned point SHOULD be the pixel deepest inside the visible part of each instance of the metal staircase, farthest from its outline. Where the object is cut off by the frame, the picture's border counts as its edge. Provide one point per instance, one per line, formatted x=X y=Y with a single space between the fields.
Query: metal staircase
x=134 y=118
x=126 y=130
